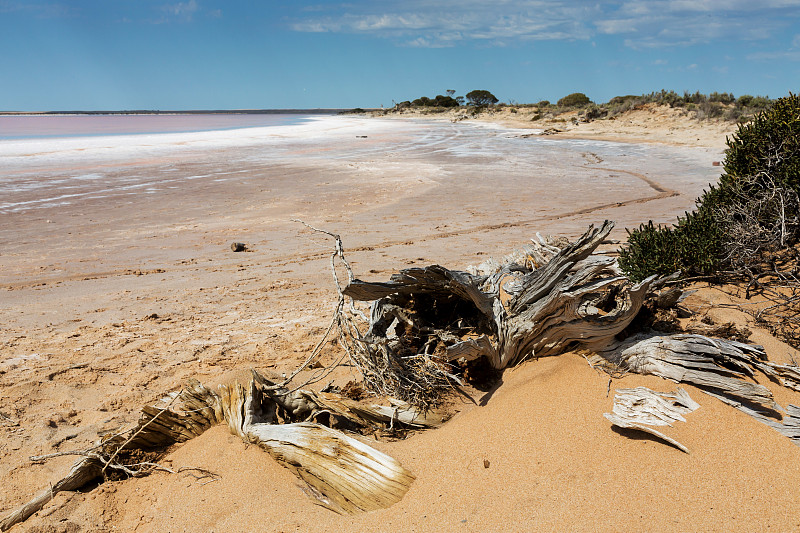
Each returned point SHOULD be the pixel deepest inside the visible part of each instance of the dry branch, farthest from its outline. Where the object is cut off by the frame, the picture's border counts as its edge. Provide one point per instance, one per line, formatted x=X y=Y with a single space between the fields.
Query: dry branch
x=641 y=407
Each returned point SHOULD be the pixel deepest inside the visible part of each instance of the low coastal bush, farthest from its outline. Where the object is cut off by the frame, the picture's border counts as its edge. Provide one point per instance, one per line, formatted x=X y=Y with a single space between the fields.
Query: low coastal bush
x=574 y=100
x=713 y=106
x=744 y=222
x=692 y=246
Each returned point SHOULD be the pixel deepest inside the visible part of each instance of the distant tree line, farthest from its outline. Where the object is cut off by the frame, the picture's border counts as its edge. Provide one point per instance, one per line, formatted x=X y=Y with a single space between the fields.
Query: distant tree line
x=475 y=98
x=714 y=105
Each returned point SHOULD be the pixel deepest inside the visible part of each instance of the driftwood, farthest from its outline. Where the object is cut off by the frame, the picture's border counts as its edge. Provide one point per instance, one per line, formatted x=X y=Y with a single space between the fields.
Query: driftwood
x=82 y=472
x=641 y=407
x=341 y=472
x=546 y=299
x=543 y=300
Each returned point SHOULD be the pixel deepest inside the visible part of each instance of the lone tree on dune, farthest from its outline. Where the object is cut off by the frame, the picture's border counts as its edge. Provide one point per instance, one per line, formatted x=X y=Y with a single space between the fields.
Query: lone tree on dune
x=481 y=97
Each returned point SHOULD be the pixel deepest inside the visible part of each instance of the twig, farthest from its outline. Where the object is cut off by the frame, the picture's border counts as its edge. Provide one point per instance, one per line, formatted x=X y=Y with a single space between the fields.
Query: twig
x=135 y=433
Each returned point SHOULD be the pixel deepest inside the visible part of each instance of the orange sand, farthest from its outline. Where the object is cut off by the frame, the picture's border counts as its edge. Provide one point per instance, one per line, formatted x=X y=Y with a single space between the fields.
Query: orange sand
x=81 y=349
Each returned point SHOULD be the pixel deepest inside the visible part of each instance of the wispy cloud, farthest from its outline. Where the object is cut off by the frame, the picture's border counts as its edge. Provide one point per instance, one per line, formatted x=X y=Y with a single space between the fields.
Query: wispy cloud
x=641 y=23
x=785 y=55
x=427 y=23
x=179 y=11
x=792 y=53
x=45 y=10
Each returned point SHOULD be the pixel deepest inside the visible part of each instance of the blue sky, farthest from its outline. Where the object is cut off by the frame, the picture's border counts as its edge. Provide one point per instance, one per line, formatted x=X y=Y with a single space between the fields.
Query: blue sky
x=203 y=54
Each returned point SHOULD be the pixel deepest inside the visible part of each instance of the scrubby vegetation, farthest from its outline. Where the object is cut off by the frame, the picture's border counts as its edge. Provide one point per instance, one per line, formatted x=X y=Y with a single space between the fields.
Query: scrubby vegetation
x=719 y=106
x=574 y=100
x=438 y=101
x=715 y=105
x=748 y=224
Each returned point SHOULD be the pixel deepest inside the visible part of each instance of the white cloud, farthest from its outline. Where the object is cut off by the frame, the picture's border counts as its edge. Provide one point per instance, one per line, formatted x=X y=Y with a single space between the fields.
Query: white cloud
x=180 y=11
x=643 y=23
x=428 y=23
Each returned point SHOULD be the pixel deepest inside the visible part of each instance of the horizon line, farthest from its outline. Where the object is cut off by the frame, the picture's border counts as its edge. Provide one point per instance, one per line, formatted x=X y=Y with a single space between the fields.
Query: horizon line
x=328 y=110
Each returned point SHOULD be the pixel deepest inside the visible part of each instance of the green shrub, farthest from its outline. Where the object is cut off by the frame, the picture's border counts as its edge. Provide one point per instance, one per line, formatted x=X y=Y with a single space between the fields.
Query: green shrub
x=543 y=103
x=445 y=101
x=696 y=98
x=692 y=246
x=619 y=100
x=709 y=109
x=734 y=114
x=670 y=98
x=723 y=98
x=762 y=159
x=769 y=143
x=574 y=100
x=481 y=97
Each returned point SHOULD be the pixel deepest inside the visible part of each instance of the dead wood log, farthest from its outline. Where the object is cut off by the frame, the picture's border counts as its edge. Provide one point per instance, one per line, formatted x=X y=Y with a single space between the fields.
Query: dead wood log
x=716 y=365
x=543 y=300
x=305 y=405
x=345 y=475
x=81 y=473
x=789 y=375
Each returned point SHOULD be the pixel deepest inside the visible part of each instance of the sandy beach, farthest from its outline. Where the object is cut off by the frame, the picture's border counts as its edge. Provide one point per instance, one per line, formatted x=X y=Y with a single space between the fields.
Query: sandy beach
x=118 y=283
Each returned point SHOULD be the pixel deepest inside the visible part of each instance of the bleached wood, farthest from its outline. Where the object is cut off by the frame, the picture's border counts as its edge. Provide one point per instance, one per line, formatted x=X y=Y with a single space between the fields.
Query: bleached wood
x=646 y=406
x=626 y=424
x=540 y=301
x=719 y=368
x=346 y=475
x=81 y=473
x=788 y=374
x=641 y=407
x=712 y=364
